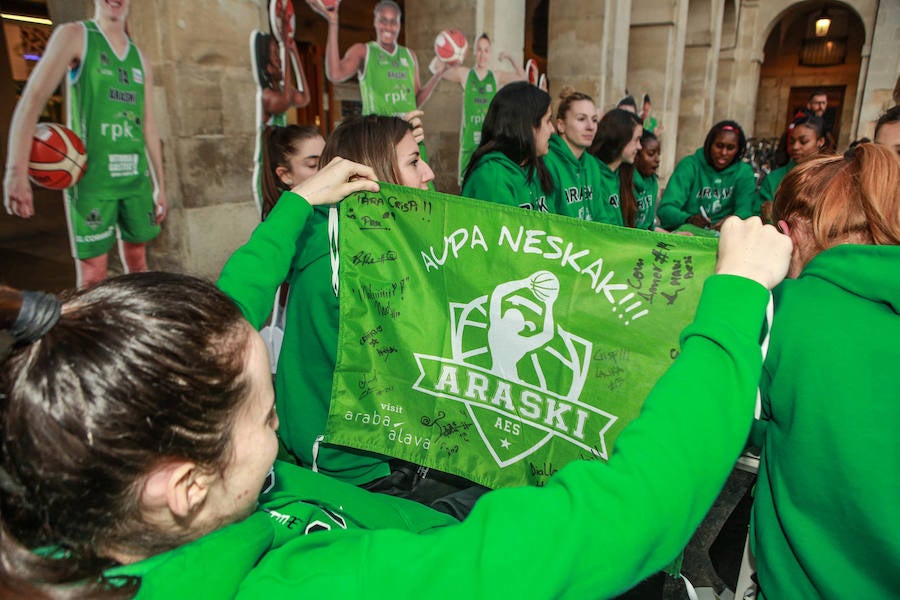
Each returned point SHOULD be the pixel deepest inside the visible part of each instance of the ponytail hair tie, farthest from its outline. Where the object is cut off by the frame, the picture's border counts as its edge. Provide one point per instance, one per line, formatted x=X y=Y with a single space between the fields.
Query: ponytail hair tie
x=39 y=313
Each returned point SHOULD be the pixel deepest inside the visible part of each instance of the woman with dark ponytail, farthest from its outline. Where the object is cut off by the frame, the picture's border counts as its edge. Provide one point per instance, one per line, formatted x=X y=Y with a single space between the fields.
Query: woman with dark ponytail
x=616 y=144
x=290 y=156
x=138 y=457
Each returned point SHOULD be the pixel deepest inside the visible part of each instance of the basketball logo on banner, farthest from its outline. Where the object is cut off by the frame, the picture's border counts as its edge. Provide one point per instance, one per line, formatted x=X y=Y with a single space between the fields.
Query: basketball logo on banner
x=504 y=347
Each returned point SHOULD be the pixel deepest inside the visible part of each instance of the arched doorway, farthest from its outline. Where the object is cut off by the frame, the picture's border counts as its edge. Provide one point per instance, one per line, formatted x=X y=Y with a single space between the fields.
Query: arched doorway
x=799 y=60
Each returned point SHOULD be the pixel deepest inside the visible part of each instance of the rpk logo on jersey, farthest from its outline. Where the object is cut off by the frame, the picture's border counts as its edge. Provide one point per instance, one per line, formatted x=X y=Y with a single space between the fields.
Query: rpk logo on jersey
x=117 y=131
x=504 y=345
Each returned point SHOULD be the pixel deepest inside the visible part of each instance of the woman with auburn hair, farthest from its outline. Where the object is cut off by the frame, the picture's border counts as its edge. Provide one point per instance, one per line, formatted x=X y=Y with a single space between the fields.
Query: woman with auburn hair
x=824 y=516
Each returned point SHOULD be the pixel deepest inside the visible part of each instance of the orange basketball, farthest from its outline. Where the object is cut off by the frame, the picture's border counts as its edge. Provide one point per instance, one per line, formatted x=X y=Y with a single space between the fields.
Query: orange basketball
x=58 y=158
x=450 y=45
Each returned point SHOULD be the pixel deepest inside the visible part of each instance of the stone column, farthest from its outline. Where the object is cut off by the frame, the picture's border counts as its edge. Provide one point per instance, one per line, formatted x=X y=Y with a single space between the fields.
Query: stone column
x=588 y=48
x=205 y=96
x=740 y=60
x=655 y=60
x=701 y=61
x=878 y=77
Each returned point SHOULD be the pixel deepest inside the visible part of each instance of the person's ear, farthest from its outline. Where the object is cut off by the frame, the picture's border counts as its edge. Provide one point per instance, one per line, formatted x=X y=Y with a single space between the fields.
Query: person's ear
x=821 y=143
x=179 y=486
x=285 y=176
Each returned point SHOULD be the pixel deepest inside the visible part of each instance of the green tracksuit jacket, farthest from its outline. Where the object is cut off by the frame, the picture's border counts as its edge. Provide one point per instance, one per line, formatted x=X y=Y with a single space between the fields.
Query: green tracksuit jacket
x=646 y=192
x=498 y=179
x=770 y=184
x=825 y=513
x=574 y=180
x=695 y=183
x=292 y=244
x=607 y=206
x=593 y=531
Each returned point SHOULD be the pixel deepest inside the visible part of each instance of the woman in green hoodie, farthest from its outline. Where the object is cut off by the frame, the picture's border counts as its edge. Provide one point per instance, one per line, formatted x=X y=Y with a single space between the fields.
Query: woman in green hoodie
x=574 y=171
x=508 y=165
x=138 y=429
x=617 y=143
x=806 y=140
x=825 y=510
x=712 y=183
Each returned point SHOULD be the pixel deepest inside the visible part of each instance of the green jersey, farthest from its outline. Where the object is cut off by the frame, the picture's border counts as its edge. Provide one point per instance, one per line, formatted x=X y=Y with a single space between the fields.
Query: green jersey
x=106 y=110
x=387 y=81
x=477 y=97
x=292 y=245
x=646 y=193
x=824 y=513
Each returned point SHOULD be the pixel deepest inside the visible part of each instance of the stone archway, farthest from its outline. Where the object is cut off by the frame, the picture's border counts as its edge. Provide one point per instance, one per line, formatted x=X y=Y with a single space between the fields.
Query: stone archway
x=796 y=61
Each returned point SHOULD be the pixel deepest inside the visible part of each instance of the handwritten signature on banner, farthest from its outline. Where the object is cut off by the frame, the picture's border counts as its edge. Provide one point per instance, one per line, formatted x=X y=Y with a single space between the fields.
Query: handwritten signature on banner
x=496 y=343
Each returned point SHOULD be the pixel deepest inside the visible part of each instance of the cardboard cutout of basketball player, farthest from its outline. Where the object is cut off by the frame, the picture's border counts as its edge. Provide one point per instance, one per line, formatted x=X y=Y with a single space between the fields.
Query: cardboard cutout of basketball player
x=280 y=80
x=388 y=72
x=120 y=200
x=479 y=84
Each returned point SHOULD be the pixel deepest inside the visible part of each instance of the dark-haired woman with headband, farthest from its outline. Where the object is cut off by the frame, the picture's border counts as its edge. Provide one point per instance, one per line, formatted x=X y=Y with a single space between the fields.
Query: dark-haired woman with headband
x=711 y=184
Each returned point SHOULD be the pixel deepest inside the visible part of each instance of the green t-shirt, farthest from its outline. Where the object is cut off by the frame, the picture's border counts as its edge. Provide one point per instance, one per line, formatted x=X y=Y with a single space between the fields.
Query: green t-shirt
x=573 y=180
x=387 y=81
x=477 y=96
x=106 y=110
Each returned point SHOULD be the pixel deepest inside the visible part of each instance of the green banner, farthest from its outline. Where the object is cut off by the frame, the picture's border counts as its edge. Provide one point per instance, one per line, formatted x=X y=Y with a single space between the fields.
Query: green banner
x=497 y=343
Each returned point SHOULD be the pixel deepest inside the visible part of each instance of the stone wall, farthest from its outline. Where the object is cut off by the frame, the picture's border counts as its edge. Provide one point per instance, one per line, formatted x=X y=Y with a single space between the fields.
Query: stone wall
x=699 y=60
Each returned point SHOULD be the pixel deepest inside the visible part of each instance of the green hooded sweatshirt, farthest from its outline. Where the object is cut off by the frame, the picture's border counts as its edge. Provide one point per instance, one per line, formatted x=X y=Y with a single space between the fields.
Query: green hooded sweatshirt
x=770 y=184
x=593 y=531
x=646 y=192
x=607 y=206
x=695 y=183
x=292 y=244
x=498 y=179
x=825 y=513
x=574 y=180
